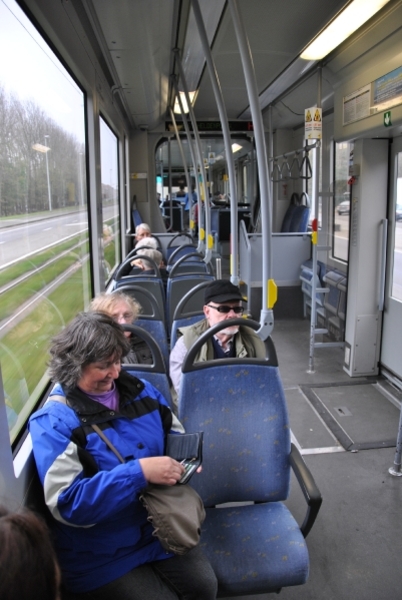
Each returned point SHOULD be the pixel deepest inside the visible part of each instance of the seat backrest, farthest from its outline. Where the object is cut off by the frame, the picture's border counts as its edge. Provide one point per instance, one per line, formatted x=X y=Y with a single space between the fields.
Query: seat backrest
x=240 y=406
x=180 y=239
x=183 y=322
x=177 y=287
x=153 y=283
x=189 y=310
x=157 y=329
x=299 y=220
x=333 y=298
x=151 y=317
x=179 y=252
x=193 y=262
x=150 y=308
x=287 y=219
x=156 y=373
x=301 y=215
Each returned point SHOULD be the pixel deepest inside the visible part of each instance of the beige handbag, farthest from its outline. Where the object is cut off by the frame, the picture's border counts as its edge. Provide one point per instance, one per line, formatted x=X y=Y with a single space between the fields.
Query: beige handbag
x=175 y=511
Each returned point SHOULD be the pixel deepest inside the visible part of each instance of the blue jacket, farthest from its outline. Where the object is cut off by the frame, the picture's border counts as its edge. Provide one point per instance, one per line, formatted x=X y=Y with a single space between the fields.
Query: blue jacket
x=100 y=526
x=186 y=201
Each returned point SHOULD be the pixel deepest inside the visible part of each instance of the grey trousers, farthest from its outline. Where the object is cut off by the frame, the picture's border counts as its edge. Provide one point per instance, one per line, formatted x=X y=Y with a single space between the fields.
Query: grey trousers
x=187 y=577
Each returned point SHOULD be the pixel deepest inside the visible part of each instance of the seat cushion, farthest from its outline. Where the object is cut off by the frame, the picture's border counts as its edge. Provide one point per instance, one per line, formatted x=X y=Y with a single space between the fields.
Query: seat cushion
x=254 y=549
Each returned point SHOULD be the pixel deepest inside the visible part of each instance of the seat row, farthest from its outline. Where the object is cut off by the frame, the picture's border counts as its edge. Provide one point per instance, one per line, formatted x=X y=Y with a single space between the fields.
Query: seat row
x=331 y=290
x=251 y=538
x=185 y=268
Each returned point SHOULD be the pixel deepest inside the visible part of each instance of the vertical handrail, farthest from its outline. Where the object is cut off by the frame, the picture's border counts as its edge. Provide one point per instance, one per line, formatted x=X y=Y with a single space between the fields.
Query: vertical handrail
x=216 y=87
x=314 y=237
x=383 y=258
x=396 y=467
x=181 y=149
x=207 y=208
x=269 y=291
x=200 y=247
x=271 y=150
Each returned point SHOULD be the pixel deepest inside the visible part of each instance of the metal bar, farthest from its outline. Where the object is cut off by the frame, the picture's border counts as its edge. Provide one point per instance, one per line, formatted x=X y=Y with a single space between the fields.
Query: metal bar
x=206 y=206
x=306 y=148
x=271 y=151
x=383 y=257
x=216 y=87
x=268 y=285
x=200 y=247
x=218 y=271
x=395 y=470
x=183 y=157
x=313 y=315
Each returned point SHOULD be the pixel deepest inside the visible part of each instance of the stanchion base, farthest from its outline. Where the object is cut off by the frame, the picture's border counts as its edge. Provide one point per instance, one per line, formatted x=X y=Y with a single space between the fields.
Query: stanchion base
x=395 y=472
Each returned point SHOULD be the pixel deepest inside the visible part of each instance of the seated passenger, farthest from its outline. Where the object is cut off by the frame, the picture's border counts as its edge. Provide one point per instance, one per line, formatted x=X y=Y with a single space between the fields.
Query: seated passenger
x=222 y=301
x=124 y=310
x=28 y=564
x=103 y=538
x=143 y=237
x=141 y=265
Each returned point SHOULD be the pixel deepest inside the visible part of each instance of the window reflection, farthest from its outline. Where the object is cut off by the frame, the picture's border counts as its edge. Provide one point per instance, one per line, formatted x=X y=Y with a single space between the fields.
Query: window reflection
x=341 y=220
x=44 y=279
x=396 y=290
x=110 y=198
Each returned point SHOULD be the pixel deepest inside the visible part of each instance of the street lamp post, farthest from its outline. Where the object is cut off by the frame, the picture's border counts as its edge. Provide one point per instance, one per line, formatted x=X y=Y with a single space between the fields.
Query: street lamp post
x=45 y=149
x=47 y=172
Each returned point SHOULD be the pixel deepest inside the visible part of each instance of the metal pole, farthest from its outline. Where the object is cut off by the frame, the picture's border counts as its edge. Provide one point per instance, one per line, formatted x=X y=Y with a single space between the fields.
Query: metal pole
x=395 y=470
x=48 y=179
x=316 y=167
x=208 y=238
x=181 y=149
x=216 y=86
x=271 y=152
x=268 y=285
x=201 y=246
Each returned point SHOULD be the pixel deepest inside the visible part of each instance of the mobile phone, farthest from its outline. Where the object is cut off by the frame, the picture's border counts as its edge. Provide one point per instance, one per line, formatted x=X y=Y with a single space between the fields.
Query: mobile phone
x=189 y=468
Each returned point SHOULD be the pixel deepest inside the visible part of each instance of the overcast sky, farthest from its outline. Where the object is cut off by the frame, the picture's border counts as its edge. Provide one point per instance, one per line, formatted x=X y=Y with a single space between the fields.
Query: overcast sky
x=29 y=69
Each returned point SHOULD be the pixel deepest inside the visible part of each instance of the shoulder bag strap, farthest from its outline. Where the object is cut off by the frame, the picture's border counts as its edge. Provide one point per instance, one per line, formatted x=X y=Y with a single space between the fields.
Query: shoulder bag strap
x=62 y=400
x=108 y=443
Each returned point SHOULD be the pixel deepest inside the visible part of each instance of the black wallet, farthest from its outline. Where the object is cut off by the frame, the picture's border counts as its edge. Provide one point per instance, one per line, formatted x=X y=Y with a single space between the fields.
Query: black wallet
x=186 y=448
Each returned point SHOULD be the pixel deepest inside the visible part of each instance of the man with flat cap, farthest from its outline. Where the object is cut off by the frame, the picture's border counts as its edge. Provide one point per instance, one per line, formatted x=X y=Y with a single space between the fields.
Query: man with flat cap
x=223 y=300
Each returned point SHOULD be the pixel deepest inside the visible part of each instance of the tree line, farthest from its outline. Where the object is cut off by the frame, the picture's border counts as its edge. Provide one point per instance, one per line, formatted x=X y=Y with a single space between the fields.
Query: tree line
x=24 y=174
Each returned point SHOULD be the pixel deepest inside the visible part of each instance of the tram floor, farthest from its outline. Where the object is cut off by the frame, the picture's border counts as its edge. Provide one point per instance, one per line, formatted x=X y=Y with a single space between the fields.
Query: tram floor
x=356 y=542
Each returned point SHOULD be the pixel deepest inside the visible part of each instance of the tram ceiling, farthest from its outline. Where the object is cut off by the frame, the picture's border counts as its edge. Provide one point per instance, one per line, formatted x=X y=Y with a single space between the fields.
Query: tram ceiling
x=137 y=38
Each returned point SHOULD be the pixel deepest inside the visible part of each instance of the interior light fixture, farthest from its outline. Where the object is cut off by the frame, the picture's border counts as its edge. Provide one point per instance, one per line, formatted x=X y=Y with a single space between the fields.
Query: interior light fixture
x=349 y=20
x=236 y=147
x=176 y=108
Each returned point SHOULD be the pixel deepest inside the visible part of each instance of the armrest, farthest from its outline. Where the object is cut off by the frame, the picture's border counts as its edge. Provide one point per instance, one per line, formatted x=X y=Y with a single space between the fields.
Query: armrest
x=309 y=488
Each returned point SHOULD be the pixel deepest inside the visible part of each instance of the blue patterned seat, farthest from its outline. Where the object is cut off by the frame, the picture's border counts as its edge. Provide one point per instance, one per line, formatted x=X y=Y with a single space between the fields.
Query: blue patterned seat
x=156 y=373
x=151 y=317
x=189 y=310
x=255 y=545
x=177 y=287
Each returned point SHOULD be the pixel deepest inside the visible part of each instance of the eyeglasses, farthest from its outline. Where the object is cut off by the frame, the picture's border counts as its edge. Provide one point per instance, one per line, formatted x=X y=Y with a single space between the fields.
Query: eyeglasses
x=224 y=309
x=127 y=316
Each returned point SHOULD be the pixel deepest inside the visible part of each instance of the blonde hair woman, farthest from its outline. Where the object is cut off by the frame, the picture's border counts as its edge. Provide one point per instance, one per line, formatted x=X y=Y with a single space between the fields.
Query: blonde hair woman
x=124 y=310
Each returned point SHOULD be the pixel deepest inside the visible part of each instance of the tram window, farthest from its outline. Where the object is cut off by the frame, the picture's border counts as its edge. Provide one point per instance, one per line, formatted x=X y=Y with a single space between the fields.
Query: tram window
x=396 y=289
x=44 y=279
x=110 y=198
x=343 y=155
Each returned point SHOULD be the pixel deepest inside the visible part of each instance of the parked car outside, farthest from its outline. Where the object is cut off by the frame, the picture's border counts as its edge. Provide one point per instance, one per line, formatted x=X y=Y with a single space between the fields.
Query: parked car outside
x=343 y=208
x=398 y=212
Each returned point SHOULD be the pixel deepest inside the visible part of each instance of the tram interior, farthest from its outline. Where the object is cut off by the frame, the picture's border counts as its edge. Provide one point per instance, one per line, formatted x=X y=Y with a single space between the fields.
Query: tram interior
x=344 y=412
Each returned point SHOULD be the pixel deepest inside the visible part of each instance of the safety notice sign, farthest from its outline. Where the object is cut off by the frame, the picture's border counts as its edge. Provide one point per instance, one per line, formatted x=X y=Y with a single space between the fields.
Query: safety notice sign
x=313 y=123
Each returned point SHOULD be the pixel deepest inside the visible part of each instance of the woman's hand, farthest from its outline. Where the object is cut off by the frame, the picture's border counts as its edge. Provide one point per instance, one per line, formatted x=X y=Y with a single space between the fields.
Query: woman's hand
x=161 y=469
